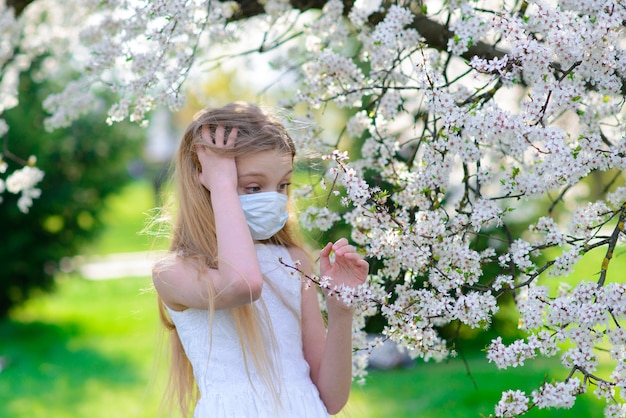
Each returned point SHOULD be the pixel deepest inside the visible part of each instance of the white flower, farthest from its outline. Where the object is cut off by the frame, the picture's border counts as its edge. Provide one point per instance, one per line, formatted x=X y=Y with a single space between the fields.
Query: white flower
x=320 y=218
x=358 y=124
x=485 y=213
x=23 y=179
x=4 y=127
x=25 y=201
x=615 y=410
x=512 y=404
x=559 y=395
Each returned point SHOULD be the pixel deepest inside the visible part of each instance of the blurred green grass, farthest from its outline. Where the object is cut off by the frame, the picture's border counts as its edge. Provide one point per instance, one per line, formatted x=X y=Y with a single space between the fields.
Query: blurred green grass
x=126 y=217
x=89 y=349
x=85 y=351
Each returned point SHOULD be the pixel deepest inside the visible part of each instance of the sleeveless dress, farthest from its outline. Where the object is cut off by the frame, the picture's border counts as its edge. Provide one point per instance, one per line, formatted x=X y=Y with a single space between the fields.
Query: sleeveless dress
x=230 y=389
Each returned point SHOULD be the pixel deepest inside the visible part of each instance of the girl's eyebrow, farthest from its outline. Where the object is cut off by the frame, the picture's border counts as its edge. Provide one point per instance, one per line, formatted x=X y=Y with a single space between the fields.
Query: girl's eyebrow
x=262 y=174
x=252 y=174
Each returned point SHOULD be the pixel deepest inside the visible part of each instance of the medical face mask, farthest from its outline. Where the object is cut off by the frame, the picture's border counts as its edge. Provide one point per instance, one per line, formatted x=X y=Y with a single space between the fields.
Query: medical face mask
x=266 y=213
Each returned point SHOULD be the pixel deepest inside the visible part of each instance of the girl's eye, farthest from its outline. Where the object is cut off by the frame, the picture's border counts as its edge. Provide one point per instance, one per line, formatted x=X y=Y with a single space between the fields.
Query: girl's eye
x=284 y=186
x=252 y=189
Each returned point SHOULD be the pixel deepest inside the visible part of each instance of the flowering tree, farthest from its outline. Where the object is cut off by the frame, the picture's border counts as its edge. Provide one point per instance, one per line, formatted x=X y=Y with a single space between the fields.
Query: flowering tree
x=473 y=116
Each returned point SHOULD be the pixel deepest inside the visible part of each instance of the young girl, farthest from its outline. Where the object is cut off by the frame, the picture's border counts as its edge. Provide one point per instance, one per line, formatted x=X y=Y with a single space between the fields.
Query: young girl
x=247 y=336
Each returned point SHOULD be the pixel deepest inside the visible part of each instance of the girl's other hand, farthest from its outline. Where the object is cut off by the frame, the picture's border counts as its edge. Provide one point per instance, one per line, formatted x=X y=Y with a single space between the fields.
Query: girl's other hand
x=216 y=169
x=348 y=268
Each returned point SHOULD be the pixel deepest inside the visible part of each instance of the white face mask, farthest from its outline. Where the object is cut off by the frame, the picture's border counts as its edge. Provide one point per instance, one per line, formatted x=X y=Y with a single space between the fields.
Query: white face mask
x=266 y=213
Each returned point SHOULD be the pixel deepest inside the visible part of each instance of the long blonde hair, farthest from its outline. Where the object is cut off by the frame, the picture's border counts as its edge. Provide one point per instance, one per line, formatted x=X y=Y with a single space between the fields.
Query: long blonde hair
x=194 y=232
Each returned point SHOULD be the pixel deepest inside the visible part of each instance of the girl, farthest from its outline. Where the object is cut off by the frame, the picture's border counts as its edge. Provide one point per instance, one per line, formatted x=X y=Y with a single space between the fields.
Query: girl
x=247 y=336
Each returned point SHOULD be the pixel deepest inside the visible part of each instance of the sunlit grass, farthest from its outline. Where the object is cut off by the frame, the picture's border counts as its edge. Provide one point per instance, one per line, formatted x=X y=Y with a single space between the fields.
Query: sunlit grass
x=449 y=389
x=126 y=216
x=85 y=351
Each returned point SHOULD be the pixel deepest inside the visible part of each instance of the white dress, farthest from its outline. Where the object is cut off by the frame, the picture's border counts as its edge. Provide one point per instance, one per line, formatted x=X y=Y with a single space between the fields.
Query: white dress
x=230 y=389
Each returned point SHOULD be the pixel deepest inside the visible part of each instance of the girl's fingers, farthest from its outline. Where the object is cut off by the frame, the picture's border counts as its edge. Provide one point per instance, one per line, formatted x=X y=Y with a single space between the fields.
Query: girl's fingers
x=345 y=250
x=341 y=242
x=232 y=137
x=324 y=257
x=219 y=136
x=220 y=140
x=326 y=250
x=352 y=256
x=205 y=132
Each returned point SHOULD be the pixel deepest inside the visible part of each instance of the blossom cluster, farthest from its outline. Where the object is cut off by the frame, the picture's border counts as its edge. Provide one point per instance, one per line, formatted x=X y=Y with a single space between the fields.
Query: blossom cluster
x=472 y=159
x=22 y=181
x=17 y=51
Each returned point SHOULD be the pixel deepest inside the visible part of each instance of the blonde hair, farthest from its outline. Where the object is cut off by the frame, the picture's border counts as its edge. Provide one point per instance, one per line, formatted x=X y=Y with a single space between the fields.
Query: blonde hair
x=194 y=234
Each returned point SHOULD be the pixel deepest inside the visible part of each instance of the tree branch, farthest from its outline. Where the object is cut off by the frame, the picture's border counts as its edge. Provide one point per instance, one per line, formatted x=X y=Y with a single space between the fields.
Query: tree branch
x=18 y=5
x=619 y=228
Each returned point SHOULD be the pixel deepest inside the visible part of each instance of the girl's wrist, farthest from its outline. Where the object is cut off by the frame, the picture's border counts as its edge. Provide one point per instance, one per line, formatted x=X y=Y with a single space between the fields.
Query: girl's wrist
x=334 y=305
x=222 y=186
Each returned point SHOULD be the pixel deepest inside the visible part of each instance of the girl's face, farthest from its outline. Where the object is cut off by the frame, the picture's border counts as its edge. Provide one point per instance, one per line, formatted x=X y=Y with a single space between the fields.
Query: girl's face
x=264 y=171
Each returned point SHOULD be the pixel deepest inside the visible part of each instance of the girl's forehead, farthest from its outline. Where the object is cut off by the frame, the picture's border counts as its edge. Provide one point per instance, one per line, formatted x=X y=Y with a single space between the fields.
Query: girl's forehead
x=265 y=162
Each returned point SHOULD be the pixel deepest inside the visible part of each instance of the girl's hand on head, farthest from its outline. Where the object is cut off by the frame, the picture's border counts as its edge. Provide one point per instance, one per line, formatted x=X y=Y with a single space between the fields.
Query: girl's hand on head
x=217 y=169
x=347 y=269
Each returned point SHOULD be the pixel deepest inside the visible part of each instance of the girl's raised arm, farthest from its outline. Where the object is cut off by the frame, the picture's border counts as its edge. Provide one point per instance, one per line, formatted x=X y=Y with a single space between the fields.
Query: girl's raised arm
x=238 y=279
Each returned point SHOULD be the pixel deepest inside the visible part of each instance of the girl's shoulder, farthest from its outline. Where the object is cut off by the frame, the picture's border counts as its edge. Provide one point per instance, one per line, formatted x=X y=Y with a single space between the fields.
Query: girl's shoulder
x=169 y=264
x=173 y=277
x=163 y=264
